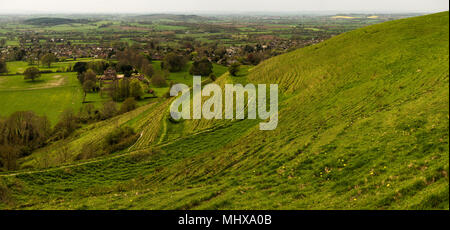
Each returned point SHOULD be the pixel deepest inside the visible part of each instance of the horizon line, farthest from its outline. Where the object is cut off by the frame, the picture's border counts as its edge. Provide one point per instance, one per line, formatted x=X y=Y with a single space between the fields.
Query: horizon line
x=208 y=12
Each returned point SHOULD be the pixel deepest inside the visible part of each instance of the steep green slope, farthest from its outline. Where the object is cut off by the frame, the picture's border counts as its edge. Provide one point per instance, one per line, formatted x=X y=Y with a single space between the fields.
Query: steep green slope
x=364 y=121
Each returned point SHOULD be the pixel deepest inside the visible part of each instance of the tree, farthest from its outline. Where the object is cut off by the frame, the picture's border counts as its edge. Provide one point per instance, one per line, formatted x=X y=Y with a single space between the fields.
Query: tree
x=31 y=73
x=48 y=59
x=90 y=75
x=80 y=67
x=234 y=68
x=118 y=134
x=64 y=154
x=147 y=70
x=119 y=139
x=2 y=42
x=136 y=89
x=109 y=110
x=126 y=69
x=19 y=54
x=124 y=89
x=254 y=59
x=8 y=157
x=67 y=124
x=98 y=66
x=25 y=131
x=88 y=86
x=202 y=67
x=159 y=80
x=128 y=105
x=87 y=74
x=174 y=62
x=3 y=67
x=249 y=49
x=213 y=77
x=88 y=113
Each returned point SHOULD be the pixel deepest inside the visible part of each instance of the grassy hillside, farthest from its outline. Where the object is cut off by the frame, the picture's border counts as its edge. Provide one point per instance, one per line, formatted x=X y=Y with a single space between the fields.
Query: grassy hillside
x=363 y=124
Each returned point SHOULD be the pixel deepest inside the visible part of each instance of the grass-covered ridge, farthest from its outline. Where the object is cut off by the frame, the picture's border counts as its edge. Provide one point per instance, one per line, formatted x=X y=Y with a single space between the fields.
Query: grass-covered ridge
x=364 y=121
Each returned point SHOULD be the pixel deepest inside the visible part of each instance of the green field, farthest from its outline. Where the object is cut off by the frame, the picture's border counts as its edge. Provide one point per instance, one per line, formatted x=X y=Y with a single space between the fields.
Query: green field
x=18 y=67
x=48 y=96
x=363 y=124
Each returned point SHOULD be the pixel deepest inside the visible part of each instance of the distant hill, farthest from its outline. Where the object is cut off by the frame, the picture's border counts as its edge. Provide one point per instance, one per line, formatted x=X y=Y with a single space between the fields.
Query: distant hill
x=174 y=17
x=53 y=21
x=363 y=124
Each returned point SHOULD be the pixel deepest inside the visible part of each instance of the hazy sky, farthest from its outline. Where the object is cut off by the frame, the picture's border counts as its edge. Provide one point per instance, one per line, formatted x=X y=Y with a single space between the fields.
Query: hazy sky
x=143 y=6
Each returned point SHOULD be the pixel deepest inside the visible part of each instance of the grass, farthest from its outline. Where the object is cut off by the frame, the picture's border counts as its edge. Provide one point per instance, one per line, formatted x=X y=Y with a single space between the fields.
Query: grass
x=49 y=95
x=18 y=67
x=17 y=82
x=183 y=76
x=363 y=124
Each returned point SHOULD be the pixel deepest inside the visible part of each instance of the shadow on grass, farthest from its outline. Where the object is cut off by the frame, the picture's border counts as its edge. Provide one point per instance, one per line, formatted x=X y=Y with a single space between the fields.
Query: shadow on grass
x=37 y=81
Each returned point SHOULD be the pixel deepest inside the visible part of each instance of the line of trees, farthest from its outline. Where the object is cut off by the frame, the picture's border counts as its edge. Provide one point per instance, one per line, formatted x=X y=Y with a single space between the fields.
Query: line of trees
x=131 y=61
x=202 y=67
x=125 y=88
x=174 y=62
x=20 y=134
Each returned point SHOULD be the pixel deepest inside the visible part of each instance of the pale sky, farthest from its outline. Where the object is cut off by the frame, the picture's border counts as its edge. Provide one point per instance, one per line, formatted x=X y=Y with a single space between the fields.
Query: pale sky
x=230 y=6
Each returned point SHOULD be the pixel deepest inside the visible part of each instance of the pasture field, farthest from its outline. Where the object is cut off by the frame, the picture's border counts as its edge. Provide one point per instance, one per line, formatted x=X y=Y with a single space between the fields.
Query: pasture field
x=48 y=80
x=18 y=67
x=48 y=96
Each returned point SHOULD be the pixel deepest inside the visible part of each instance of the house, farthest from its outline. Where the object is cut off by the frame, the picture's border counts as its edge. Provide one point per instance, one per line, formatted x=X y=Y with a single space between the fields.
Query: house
x=109 y=74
